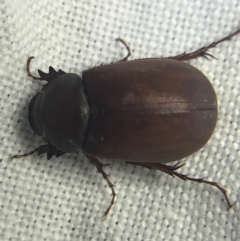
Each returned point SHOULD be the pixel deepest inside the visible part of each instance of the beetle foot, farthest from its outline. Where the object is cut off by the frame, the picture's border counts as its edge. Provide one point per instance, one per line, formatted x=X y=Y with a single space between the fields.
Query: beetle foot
x=99 y=167
x=127 y=47
x=51 y=151
x=202 y=180
x=44 y=76
x=202 y=52
x=170 y=170
x=23 y=155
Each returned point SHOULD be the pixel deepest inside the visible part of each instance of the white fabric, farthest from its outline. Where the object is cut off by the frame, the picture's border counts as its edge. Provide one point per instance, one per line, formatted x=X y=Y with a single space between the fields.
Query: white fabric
x=64 y=198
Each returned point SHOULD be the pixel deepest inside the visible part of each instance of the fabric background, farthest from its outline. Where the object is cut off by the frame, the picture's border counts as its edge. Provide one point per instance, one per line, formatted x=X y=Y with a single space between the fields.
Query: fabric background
x=65 y=198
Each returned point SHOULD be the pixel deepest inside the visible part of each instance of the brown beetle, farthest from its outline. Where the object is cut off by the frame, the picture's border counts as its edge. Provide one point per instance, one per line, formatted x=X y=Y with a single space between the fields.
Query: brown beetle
x=146 y=112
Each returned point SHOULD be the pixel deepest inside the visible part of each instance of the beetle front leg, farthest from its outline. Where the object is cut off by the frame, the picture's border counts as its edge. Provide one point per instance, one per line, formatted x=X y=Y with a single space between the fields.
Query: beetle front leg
x=202 y=52
x=99 y=167
x=44 y=76
x=51 y=151
x=171 y=170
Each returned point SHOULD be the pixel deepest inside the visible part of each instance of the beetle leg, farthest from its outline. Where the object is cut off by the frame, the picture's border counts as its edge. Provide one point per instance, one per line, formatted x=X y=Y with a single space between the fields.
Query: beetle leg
x=127 y=47
x=171 y=171
x=202 y=180
x=51 y=151
x=99 y=167
x=28 y=68
x=44 y=76
x=202 y=52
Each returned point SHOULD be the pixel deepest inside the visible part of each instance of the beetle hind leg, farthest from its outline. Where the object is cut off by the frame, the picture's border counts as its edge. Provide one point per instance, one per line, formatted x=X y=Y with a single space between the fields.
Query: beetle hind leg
x=171 y=170
x=202 y=52
x=202 y=180
x=99 y=167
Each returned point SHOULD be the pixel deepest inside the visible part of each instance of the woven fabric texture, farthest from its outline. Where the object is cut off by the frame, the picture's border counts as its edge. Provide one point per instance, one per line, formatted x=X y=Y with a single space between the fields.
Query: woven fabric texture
x=65 y=198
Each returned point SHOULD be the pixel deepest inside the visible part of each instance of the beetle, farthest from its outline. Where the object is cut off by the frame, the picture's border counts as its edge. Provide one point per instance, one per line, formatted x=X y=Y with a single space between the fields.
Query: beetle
x=146 y=112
